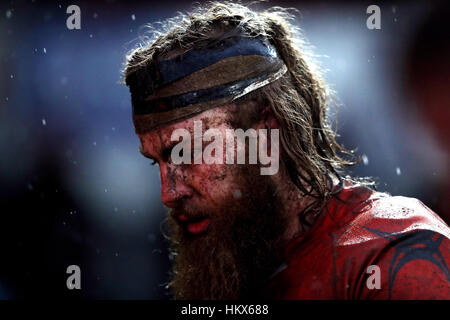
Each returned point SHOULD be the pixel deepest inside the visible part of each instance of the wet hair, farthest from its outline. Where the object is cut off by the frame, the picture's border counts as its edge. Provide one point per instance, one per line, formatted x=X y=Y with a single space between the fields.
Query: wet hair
x=300 y=100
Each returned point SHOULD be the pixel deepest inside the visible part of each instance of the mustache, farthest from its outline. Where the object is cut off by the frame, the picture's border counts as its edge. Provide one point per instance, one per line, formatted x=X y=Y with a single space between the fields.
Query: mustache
x=187 y=213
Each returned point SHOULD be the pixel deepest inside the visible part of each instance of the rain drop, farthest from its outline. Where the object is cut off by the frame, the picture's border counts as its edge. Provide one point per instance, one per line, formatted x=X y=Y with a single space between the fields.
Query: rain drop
x=365 y=160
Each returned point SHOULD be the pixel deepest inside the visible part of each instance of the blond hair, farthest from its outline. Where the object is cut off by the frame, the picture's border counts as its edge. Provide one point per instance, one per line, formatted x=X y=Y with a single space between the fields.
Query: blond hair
x=299 y=100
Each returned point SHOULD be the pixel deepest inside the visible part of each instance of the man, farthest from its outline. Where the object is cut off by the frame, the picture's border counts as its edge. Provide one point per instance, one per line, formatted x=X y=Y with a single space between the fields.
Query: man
x=300 y=231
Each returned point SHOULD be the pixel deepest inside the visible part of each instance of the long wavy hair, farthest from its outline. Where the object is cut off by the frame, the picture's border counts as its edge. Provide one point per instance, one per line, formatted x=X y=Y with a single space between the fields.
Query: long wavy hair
x=300 y=100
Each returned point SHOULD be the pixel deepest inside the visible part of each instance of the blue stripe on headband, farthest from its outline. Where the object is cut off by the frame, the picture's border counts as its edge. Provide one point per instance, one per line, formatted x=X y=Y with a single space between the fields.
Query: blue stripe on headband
x=194 y=60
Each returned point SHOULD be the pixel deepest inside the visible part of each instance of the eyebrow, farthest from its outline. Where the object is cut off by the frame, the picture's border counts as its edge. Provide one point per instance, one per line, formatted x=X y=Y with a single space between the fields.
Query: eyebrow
x=145 y=154
x=165 y=152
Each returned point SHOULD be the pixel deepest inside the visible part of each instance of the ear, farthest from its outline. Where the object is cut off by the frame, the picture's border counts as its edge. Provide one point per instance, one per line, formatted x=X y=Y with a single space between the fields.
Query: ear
x=270 y=121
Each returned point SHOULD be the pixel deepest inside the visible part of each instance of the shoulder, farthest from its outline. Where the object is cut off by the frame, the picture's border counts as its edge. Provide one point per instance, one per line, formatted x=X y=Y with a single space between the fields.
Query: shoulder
x=407 y=241
x=361 y=229
x=385 y=216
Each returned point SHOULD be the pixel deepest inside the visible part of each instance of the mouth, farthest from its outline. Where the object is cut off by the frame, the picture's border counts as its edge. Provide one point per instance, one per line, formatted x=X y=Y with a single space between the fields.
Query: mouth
x=194 y=226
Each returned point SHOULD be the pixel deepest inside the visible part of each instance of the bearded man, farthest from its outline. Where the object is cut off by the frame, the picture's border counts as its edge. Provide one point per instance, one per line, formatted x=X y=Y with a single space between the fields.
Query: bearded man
x=303 y=232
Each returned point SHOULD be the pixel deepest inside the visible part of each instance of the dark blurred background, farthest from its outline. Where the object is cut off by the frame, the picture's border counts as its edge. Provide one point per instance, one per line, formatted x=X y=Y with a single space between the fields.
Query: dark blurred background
x=74 y=188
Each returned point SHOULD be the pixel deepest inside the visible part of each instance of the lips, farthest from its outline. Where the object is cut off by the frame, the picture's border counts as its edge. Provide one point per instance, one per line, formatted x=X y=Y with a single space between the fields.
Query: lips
x=194 y=225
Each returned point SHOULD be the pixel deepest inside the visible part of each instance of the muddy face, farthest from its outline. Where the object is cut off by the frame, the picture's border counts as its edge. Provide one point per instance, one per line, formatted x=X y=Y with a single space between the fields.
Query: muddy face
x=224 y=223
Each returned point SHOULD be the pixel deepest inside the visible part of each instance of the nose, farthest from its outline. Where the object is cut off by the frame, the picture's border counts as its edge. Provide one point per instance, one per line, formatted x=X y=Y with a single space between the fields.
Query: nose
x=174 y=187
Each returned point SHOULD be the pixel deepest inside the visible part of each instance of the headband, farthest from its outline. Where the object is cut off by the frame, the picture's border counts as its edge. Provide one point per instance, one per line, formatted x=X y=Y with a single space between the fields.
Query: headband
x=176 y=88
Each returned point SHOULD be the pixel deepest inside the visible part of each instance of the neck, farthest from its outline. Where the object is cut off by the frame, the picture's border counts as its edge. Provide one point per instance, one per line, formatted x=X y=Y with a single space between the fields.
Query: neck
x=294 y=203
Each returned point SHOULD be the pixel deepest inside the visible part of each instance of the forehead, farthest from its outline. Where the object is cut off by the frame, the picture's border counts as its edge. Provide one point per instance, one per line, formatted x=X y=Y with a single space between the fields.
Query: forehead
x=216 y=117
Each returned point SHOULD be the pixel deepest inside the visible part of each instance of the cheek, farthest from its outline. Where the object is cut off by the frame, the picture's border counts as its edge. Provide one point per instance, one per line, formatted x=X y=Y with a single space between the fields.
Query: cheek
x=213 y=180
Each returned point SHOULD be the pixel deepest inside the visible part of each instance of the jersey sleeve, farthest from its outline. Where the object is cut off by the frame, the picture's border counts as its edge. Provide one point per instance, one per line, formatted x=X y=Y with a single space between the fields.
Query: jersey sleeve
x=412 y=266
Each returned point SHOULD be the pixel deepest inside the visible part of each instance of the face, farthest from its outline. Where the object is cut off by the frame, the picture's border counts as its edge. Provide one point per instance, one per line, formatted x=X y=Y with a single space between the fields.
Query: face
x=223 y=220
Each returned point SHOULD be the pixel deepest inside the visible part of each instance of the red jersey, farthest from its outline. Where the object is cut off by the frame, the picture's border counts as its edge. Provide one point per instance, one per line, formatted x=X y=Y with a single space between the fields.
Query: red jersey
x=368 y=245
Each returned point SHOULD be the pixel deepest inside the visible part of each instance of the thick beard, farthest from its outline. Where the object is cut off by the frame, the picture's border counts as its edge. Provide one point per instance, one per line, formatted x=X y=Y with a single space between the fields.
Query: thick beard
x=240 y=250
